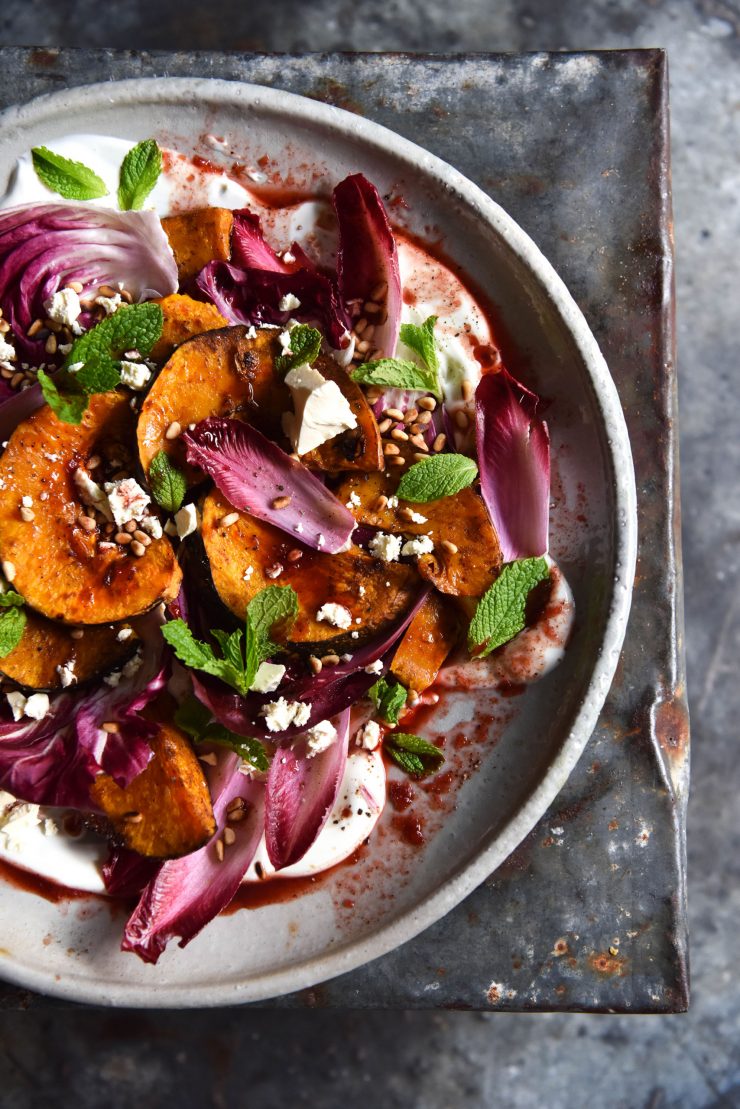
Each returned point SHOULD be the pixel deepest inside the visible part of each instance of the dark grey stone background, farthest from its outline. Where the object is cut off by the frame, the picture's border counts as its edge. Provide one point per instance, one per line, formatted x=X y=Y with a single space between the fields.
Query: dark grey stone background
x=444 y=1059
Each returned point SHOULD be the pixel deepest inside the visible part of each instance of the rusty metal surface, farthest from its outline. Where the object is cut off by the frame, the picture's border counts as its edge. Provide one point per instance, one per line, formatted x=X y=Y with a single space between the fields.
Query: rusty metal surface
x=589 y=913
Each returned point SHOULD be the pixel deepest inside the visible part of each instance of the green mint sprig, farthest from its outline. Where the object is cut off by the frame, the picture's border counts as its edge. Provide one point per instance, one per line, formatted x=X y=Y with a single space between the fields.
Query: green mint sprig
x=167 y=483
x=72 y=180
x=305 y=346
x=412 y=753
x=139 y=174
x=196 y=721
x=131 y=327
x=440 y=475
x=389 y=699
x=500 y=614
x=12 y=621
x=400 y=373
x=242 y=652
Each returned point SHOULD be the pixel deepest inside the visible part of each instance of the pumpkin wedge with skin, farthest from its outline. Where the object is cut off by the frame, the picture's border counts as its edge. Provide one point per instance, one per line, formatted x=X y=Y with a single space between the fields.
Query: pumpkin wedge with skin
x=46 y=648
x=428 y=640
x=219 y=373
x=166 y=811
x=461 y=519
x=56 y=565
x=360 y=448
x=198 y=238
x=258 y=548
x=182 y=318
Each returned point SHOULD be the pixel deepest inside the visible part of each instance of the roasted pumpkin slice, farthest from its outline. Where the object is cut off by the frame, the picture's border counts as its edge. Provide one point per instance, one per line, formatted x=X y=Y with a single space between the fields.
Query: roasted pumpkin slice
x=47 y=649
x=198 y=238
x=166 y=811
x=461 y=520
x=250 y=555
x=361 y=448
x=182 y=318
x=220 y=373
x=60 y=568
x=427 y=642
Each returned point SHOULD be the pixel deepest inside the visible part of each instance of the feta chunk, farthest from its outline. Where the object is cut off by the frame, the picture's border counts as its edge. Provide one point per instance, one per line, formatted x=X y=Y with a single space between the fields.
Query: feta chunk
x=135 y=374
x=354 y=501
x=268 y=677
x=385 y=547
x=63 y=307
x=374 y=667
x=127 y=500
x=17 y=702
x=337 y=615
x=66 y=674
x=421 y=546
x=288 y=302
x=152 y=526
x=280 y=714
x=90 y=493
x=124 y=634
x=417 y=518
x=7 y=351
x=321 y=410
x=369 y=736
x=27 y=502
x=320 y=737
x=37 y=706
x=186 y=520
x=109 y=304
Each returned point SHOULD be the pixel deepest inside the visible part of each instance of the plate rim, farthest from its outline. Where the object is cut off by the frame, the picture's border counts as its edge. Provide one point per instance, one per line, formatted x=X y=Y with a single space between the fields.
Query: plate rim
x=192 y=91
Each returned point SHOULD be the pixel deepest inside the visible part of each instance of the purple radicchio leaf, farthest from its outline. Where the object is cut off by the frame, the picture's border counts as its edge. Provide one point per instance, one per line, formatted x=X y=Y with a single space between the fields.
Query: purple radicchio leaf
x=367 y=258
x=252 y=472
x=17 y=406
x=301 y=793
x=44 y=247
x=125 y=873
x=186 y=894
x=514 y=463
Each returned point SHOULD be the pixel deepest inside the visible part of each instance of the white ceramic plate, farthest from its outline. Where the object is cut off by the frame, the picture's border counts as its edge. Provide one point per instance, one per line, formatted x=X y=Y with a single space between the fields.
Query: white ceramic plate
x=526 y=746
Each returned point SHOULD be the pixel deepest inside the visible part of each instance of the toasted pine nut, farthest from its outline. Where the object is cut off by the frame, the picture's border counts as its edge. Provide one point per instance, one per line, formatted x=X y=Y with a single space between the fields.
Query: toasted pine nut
x=401 y=436
x=229 y=836
x=427 y=403
x=390 y=449
x=420 y=442
x=393 y=413
x=281 y=502
x=27 y=514
x=138 y=549
x=380 y=504
x=173 y=430
x=315 y=664
x=229 y=519
x=384 y=426
x=439 y=443
x=461 y=420
x=450 y=547
x=111 y=727
x=468 y=390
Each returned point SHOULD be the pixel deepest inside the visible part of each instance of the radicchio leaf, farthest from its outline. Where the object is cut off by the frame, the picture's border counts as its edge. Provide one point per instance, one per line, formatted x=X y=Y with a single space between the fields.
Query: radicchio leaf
x=17 y=406
x=125 y=873
x=187 y=893
x=514 y=463
x=367 y=256
x=44 y=247
x=253 y=472
x=301 y=793
x=249 y=250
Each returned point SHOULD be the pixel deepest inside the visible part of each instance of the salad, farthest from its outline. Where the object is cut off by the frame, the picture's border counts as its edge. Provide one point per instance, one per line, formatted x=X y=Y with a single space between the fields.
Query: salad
x=266 y=489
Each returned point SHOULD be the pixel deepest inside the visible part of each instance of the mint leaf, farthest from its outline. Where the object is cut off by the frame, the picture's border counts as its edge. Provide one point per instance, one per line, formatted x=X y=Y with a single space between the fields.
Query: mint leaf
x=412 y=753
x=196 y=721
x=440 y=475
x=167 y=483
x=305 y=345
x=69 y=407
x=500 y=612
x=275 y=605
x=72 y=180
x=11 y=599
x=140 y=170
x=12 y=623
x=201 y=656
x=397 y=373
x=388 y=698
x=421 y=340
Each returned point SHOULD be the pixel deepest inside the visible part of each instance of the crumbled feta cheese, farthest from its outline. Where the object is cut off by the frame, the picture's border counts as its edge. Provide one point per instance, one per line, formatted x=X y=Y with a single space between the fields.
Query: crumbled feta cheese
x=186 y=520
x=355 y=635
x=268 y=677
x=369 y=736
x=288 y=302
x=133 y=665
x=392 y=502
x=354 y=501
x=298 y=528
x=90 y=493
x=17 y=702
x=421 y=546
x=7 y=351
x=109 y=304
x=124 y=634
x=320 y=737
x=337 y=615
x=321 y=540
x=135 y=374
x=152 y=526
x=280 y=714
x=284 y=340
x=66 y=674
x=64 y=348
x=321 y=410
x=63 y=307
x=248 y=573
x=127 y=500
x=251 y=332
x=37 y=706
x=385 y=547
x=417 y=518
x=288 y=258
x=17 y=819
x=374 y=667
x=27 y=502
x=361 y=590
x=75 y=367
x=113 y=679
